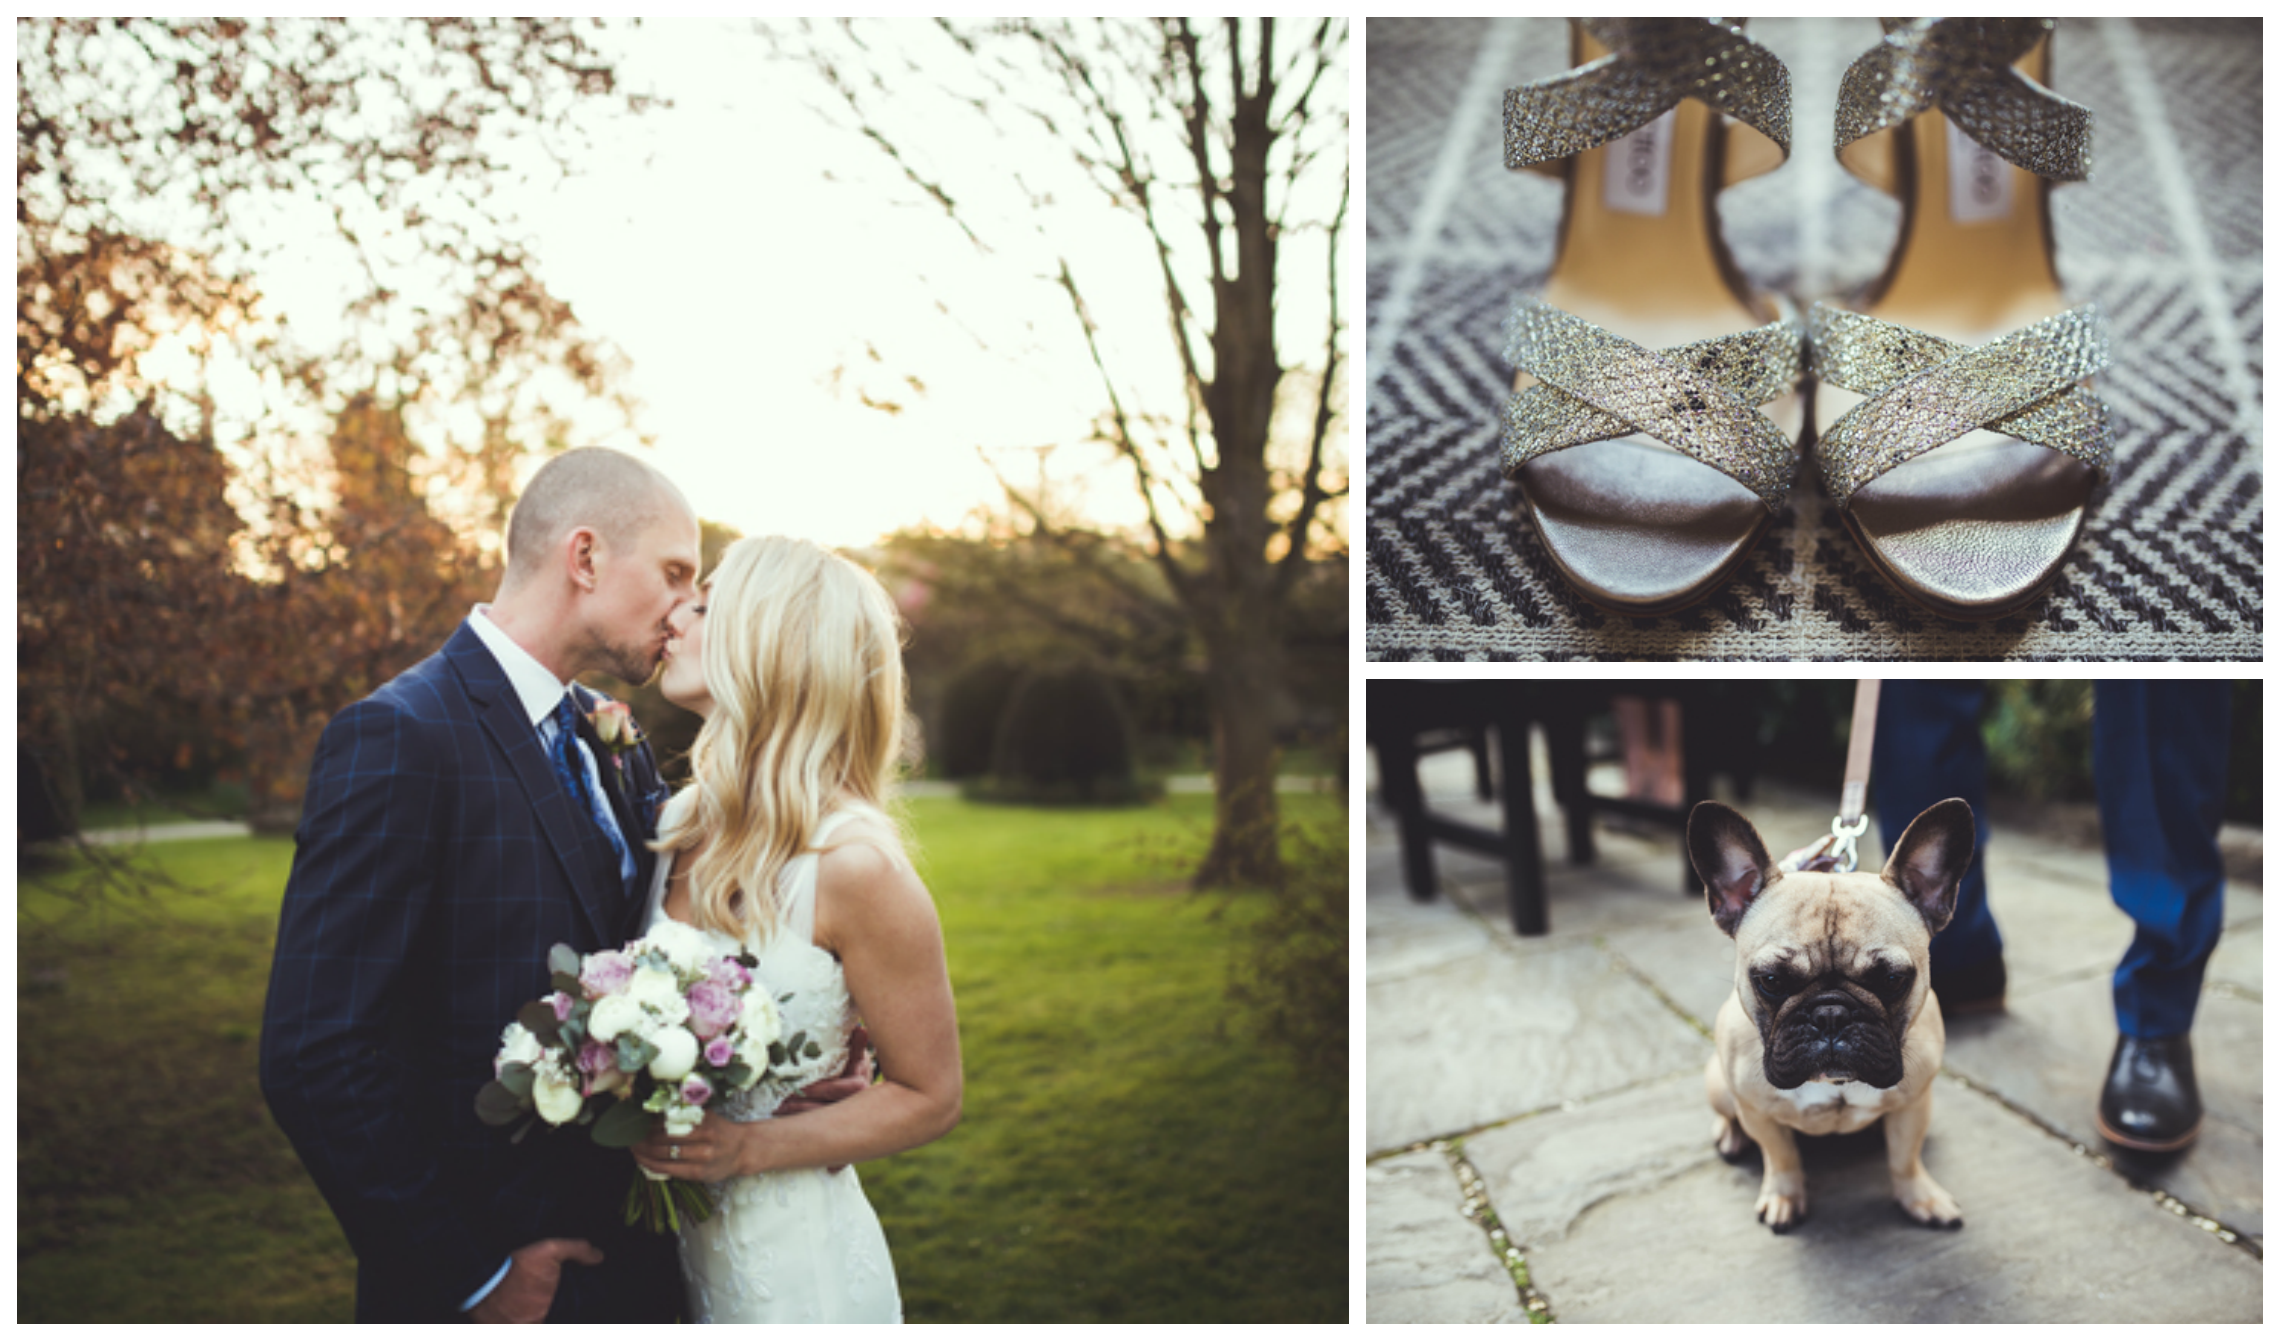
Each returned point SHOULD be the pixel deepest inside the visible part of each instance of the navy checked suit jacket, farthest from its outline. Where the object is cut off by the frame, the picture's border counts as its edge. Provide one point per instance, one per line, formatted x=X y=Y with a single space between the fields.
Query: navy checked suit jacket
x=438 y=859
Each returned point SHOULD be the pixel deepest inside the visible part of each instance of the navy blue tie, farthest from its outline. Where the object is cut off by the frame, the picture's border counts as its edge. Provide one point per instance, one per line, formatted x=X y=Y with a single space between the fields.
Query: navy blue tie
x=570 y=767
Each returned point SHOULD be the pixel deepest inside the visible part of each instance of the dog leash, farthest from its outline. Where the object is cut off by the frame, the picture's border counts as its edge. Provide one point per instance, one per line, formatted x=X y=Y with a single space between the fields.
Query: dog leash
x=1838 y=850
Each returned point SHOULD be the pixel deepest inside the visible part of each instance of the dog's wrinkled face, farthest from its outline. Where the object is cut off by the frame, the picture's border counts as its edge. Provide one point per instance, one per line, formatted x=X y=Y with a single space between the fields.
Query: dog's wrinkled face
x=1832 y=1009
x=1832 y=967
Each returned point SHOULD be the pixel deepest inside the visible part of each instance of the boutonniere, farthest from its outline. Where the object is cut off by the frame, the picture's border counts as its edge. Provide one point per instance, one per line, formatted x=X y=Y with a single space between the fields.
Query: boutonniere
x=613 y=726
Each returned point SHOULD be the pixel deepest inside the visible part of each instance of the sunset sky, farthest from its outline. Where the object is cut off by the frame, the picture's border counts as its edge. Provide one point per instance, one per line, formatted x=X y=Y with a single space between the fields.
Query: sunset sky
x=740 y=249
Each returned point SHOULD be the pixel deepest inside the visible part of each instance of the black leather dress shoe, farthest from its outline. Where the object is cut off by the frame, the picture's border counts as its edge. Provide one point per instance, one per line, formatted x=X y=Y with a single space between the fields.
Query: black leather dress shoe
x=2151 y=1102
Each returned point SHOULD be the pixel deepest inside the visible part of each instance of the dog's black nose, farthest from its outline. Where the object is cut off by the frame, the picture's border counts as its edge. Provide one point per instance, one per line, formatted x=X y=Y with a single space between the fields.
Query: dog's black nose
x=1829 y=1018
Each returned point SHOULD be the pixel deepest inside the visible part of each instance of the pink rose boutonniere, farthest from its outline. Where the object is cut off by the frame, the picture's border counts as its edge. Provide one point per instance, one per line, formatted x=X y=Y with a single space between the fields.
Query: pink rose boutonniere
x=613 y=726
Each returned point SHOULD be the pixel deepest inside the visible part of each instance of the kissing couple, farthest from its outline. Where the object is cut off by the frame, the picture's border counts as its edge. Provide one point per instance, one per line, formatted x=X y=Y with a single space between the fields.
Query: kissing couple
x=483 y=807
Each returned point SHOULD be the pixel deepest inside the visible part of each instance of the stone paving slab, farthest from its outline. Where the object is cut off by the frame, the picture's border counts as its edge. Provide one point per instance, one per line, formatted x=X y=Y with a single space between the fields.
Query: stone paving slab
x=1427 y=1262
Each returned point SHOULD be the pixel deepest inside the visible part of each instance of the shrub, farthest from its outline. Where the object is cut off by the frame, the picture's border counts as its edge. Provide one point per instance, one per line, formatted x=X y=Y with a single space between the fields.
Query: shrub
x=1065 y=739
x=1289 y=970
x=973 y=703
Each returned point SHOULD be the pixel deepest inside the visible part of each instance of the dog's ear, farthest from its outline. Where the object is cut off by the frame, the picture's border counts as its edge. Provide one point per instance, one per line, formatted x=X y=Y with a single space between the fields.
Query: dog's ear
x=1731 y=860
x=1928 y=862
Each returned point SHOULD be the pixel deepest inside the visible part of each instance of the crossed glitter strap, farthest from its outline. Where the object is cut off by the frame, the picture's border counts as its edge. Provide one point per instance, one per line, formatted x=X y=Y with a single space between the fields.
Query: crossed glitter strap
x=1652 y=64
x=1700 y=398
x=1964 y=67
x=1923 y=391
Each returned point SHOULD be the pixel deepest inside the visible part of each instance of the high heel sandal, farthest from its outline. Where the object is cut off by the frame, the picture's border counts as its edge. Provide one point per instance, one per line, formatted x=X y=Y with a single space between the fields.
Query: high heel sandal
x=1635 y=430
x=1954 y=433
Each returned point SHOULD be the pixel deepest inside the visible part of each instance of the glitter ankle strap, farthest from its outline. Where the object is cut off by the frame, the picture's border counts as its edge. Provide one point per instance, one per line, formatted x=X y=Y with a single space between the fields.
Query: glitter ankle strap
x=1652 y=65
x=1924 y=391
x=1963 y=67
x=1700 y=398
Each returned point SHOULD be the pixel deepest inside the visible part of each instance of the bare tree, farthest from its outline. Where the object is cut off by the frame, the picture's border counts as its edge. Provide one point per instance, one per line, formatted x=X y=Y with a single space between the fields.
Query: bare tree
x=1222 y=142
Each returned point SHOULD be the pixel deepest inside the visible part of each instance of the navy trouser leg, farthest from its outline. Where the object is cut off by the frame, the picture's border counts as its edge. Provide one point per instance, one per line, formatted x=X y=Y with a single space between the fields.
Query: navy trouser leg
x=1928 y=748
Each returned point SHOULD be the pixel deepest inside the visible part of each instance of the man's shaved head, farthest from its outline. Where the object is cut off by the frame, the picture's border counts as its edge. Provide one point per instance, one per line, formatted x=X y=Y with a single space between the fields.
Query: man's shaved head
x=614 y=495
x=605 y=602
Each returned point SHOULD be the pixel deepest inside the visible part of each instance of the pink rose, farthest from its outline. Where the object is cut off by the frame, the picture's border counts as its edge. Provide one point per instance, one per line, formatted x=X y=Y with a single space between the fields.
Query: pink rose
x=730 y=974
x=562 y=1003
x=605 y=973
x=613 y=722
x=696 y=1090
x=598 y=1063
x=712 y=1008
x=720 y=1052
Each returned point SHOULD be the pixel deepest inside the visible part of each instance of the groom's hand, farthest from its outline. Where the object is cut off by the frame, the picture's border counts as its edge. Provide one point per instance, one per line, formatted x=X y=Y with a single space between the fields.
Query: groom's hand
x=533 y=1274
x=850 y=1082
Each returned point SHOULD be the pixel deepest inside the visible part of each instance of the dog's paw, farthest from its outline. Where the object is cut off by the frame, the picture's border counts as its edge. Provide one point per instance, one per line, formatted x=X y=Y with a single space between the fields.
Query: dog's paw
x=1781 y=1204
x=1927 y=1203
x=1729 y=1140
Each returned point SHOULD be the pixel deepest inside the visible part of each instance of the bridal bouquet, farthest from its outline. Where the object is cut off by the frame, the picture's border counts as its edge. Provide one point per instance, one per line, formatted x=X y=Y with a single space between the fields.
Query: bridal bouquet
x=660 y=1028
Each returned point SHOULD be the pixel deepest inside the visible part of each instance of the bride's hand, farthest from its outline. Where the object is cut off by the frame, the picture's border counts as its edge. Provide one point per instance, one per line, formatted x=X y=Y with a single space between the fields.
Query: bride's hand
x=715 y=1152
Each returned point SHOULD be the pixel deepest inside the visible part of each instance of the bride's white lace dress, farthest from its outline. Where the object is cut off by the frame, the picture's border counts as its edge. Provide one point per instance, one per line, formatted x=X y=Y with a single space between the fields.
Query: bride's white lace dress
x=802 y=1245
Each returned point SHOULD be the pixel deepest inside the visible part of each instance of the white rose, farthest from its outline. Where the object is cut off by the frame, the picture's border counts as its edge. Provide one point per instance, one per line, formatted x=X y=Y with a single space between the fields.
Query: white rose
x=683 y=946
x=681 y=1119
x=676 y=1053
x=659 y=993
x=557 y=1102
x=615 y=1015
x=518 y=1044
x=761 y=1023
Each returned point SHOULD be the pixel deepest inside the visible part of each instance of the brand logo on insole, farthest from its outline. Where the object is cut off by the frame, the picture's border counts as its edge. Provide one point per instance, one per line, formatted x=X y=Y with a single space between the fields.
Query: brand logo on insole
x=1979 y=181
x=1638 y=168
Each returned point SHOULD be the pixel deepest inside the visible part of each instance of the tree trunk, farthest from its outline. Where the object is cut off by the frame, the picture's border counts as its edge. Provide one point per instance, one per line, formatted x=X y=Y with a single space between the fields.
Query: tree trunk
x=1246 y=846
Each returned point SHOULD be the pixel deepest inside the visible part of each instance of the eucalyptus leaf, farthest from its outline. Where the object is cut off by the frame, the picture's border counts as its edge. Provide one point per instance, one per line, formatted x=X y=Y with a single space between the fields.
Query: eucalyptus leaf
x=498 y=1104
x=814 y=1050
x=516 y=1078
x=538 y=1017
x=623 y=1126
x=563 y=959
x=565 y=982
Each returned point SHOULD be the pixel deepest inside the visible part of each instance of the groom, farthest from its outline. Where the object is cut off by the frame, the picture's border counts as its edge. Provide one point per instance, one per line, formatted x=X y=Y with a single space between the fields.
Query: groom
x=460 y=822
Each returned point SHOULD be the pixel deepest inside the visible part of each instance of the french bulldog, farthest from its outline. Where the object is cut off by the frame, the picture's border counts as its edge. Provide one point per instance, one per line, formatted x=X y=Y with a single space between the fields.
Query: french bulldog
x=1832 y=1023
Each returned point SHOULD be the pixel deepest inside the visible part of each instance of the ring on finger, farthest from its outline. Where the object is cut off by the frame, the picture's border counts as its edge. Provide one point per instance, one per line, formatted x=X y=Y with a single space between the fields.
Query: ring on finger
x=676 y=1152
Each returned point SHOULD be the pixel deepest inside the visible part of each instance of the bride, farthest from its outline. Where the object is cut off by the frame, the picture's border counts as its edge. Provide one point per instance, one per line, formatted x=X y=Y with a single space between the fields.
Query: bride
x=792 y=657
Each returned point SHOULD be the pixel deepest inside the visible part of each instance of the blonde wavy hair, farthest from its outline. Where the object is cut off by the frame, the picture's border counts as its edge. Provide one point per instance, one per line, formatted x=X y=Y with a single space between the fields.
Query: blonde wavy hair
x=803 y=659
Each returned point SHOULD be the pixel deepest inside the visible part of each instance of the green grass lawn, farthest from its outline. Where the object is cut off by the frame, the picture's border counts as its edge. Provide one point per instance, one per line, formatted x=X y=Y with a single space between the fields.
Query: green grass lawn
x=1128 y=1152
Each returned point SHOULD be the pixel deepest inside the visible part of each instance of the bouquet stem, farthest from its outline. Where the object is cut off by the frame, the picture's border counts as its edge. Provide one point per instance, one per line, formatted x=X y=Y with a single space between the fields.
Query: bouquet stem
x=664 y=1205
